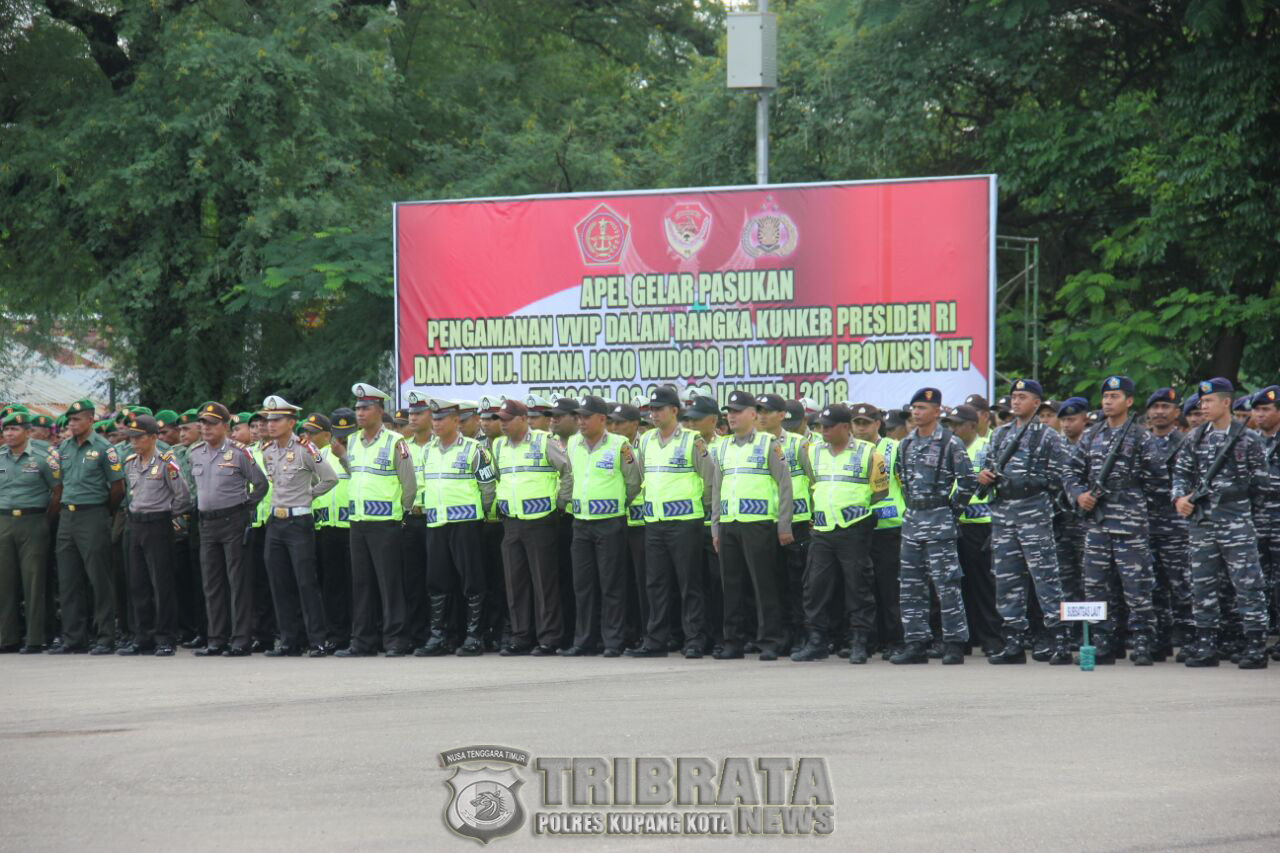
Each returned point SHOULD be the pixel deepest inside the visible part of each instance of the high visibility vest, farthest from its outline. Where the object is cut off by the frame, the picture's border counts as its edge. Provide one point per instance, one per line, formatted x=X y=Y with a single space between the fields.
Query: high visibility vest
x=748 y=491
x=322 y=507
x=374 y=492
x=331 y=509
x=527 y=481
x=264 y=506
x=842 y=485
x=452 y=493
x=599 y=491
x=416 y=456
x=800 y=497
x=979 y=510
x=890 y=510
x=672 y=487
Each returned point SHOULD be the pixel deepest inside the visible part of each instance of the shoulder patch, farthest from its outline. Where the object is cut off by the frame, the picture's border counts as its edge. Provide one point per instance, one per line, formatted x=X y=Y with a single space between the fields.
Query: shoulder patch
x=112 y=456
x=625 y=452
x=403 y=449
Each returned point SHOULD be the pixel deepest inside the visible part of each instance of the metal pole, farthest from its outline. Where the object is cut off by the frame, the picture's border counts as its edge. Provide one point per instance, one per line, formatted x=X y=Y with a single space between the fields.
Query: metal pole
x=762 y=123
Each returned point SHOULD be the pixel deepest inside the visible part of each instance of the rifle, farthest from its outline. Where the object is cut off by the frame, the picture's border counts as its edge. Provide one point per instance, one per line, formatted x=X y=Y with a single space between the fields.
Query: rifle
x=1005 y=456
x=1098 y=488
x=1202 y=497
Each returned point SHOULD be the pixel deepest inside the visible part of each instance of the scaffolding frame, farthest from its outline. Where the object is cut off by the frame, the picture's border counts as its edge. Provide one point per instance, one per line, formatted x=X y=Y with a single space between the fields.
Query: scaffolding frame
x=1024 y=251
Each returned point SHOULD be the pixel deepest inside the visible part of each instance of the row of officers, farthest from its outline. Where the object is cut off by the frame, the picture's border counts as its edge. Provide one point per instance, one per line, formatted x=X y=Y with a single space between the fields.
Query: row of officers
x=590 y=527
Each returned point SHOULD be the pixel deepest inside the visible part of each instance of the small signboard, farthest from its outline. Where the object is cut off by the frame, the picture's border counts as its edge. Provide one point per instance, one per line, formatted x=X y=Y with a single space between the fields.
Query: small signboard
x=1082 y=611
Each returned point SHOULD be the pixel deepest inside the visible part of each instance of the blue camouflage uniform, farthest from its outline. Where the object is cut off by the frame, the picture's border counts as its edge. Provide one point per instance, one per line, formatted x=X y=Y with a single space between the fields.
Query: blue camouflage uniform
x=1169 y=545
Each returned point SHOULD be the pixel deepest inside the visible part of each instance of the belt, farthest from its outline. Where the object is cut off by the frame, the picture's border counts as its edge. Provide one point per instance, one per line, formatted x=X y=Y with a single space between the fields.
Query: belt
x=18 y=513
x=1021 y=488
x=289 y=511
x=146 y=517
x=1233 y=495
x=226 y=512
x=81 y=507
x=928 y=503
x=414 y=510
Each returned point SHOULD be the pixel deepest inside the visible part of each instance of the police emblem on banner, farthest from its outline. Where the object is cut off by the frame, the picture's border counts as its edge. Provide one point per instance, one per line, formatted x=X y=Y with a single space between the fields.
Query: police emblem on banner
x=486 y=803
x=602 y=236
x=687 y=225
x=770 y=232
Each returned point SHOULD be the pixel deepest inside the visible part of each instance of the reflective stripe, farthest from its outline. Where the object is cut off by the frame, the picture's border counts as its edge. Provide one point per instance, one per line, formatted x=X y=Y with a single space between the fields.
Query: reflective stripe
x=752 y=470
x=516 y=469
x=378 y=509
x=381 y=472
x=430 y=475
x=840 y=478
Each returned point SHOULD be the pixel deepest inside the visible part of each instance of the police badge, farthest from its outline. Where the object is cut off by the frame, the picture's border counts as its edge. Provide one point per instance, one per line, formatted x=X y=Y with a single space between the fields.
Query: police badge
x=486 y=803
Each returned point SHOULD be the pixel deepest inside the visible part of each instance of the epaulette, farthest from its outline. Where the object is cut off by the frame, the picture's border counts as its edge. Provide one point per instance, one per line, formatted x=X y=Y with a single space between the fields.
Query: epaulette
x=131 y=457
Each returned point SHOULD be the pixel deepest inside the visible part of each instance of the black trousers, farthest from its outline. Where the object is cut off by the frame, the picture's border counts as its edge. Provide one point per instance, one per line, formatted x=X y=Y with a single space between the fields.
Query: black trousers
x=886 y=550
x=978 y=586
x=377 y=577
x=228 y=581
x=333 y=559
x=749 y=560
x=295 y=587
x=264 y=614
x=674 y=582
x=568 y=602
x=497 y=621
x=152 y=591
x=413 y=547
x=192 y=620
x=841 y=559
x=713 y=588
x=455 y=562
x=599 y=582
x=531 y=565
x=793 y=560
x=637 y=600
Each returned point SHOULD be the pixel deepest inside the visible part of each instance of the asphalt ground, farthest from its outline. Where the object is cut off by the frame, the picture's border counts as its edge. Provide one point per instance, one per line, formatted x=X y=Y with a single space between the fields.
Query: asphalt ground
x=189 y=754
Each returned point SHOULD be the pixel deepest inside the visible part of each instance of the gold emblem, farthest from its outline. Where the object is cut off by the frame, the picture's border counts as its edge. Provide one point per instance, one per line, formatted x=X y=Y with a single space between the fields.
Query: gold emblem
x=288 y=457
x=281 y=512
x=17 y=513
x=928 y=395
x=227 y=456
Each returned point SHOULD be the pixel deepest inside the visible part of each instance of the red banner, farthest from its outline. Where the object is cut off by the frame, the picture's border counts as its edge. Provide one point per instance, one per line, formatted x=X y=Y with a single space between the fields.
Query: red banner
x=854 y=291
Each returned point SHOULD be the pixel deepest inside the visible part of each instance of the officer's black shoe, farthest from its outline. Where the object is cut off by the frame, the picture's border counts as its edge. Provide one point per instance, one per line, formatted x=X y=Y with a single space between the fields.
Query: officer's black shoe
x=30 y=650
x=353 y=652
x=858 y=653
x=934 y=650
x=542 y=650
x=1204 y=653
x=316 y=652
x=398 y=652
x=692 y=653
x=991 y=646
x=102 y=649
x=196 y=642
x=953 y=653
x=471 y=647
x=209 y=652
x=611 y=652
x=1061 y=648
x=914 y=652
x=435 y=647
x=128 y=650
x=673 y=644
x=511 y=650
x=573 y=652
x=257 y=647
x=64 y=649
x=750 y=648
x=843 y=651
x=729 y=653
x=1141 y=655
x=163 y=651
x=643 y=651
x=1104 y=650
x=1012 y=652
x=1042 y=648
x=1254 y=655
x=768 y=654
x=888 y=652
x=236 y=652
x=815 y=648
x=283 y=652
x=1275 y=652
x=1161 y=649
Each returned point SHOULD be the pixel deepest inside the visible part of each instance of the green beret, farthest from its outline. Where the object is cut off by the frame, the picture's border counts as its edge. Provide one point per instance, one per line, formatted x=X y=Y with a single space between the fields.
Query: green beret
x=22 y=419
x=11 y=408
x=42 y=421
x=60 y=421
x=241 y=418
x=80 y=406
x=166 y=417
x=104 y=426
x=139 y=410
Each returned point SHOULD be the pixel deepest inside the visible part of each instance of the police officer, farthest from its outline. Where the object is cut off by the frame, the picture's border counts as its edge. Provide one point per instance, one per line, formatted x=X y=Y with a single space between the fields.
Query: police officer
x=497 y=618
x=771 y=410
x=158 y=495
x=229 y=486
x=937 y=481
x=92 y=486
x=978 y=584
x=1266 y=410
x=1169 y=547
x=606 y=479
x=979 y=404
x=676 y=467
x=1222 y=531
x=1024 y=465
x=381 y=489
x=540 y=411
x=624 y=420
x=751 y=506
x=848 y=478
x=1116 y=530
x=29 y=489
x=564 y=424
x=886 y=539
x=701 y=414
x=534 y=485
x=333 y=532
x=413 y=541
x=299 y=476
x=459 y=491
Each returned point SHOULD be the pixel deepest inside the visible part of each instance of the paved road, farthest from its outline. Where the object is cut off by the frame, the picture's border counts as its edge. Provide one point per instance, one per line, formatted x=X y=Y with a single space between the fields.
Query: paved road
x=258 y=754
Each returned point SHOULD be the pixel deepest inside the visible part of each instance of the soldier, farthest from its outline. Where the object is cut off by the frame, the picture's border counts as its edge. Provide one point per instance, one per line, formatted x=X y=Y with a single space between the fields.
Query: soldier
x=1073 y=417
x=158 y=495
x=459 y=492
x=977 y=583
x=92 y=487
x=1024 y=467
x=936 y=477
x=413 y=542
x=676 y=467
x=1106 y=476
x=1172 y=597
x=886 y=539
x=1242 y=410
x=751 y=506
x=29 y=489
x=382 y=487
x=1219 y=468
x=1191 y=411
x=534 y=485
x=770 y=411
x=42 y=431
x=605 y=479
x=299 y=476
x=1266 y=411
x=848 y=479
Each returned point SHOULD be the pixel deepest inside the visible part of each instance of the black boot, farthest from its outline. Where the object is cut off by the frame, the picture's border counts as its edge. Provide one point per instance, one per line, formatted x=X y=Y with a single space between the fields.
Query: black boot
x=1142 y=649
x=1042 y=650
x=1104 y=649
x=1162 y=647
x=1254 y=655
x=1205 y=651
x=815 y=648
x=437 y=645
x=858 y=653
x=1012 y=651
x=1061 y=655
x=916 y=652
x=473 y=646
x=953 y=653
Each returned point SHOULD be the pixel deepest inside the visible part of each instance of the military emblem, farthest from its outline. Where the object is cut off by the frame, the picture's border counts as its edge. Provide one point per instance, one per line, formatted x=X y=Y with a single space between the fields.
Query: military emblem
x=227 y=456
x=486 y=802
x=602 y=236
x=928 y=395
x=770 y=232
x=687 y=225
x=1206 y=387
x=1113 y=382
x=1019 y=385
x=1271 y=395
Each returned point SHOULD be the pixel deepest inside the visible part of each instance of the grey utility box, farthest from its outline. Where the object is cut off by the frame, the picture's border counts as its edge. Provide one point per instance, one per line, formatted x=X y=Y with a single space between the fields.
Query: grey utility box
x=752 y=57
